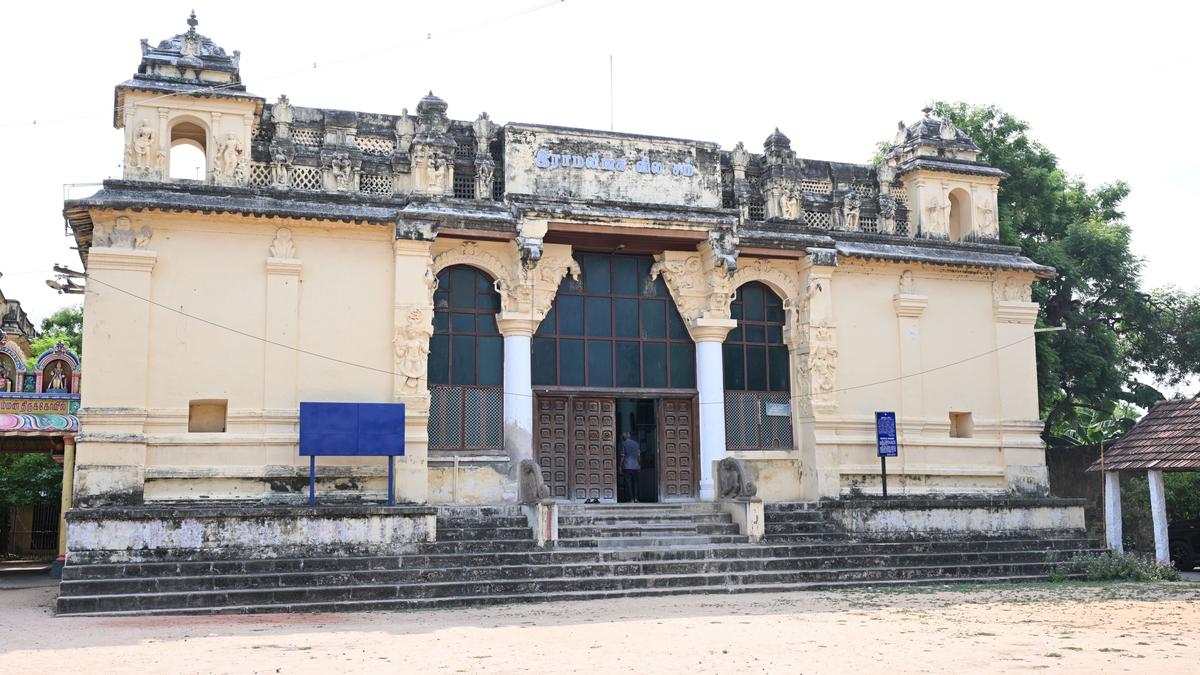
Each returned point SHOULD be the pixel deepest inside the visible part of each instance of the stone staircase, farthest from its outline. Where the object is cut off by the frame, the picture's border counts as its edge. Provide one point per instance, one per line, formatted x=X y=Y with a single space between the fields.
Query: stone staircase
x=484 y=556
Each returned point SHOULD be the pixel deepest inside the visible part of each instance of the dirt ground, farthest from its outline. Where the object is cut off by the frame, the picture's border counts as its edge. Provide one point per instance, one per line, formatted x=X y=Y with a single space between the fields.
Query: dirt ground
x=1060 y=627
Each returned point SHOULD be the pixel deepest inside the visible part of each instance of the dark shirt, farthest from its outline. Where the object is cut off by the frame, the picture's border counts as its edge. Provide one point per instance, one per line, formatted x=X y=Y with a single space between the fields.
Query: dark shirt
x=631 y=455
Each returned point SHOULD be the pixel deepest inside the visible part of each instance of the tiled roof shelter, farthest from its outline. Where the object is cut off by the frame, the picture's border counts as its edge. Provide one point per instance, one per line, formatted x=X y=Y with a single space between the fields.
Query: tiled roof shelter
x=1167 y=438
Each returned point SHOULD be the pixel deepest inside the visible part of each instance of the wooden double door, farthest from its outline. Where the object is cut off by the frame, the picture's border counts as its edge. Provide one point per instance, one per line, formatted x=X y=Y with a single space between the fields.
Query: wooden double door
x=576 y=446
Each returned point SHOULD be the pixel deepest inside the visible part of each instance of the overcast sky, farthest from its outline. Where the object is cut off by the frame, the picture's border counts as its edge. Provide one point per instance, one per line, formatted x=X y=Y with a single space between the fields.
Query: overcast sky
x=1110 y=87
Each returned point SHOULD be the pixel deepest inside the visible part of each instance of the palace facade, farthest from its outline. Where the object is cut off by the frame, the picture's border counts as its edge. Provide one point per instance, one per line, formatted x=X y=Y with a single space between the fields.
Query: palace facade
x=535 y=291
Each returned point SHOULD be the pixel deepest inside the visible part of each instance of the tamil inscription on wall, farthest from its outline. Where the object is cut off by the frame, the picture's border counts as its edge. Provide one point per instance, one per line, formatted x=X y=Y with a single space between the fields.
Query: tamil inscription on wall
x=565 y=163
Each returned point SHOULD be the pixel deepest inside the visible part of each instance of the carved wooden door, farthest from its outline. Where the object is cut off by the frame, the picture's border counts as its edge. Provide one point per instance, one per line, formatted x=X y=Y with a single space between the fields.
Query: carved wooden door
x=678 y=462
x=593 y=449
x=552 y=449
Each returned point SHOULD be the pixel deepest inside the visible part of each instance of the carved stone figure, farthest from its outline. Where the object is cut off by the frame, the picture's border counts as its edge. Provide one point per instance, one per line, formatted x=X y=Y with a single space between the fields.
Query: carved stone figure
x=724 y=247
x=530 y=250
x=823 y=361
x=740 y=159
x=406 y=128
x=280 y=170
x=228 y=164
x=436 y=173
x=933 y=214
x=531 y=487
x=6 y=377
x=906 y=281
x=851 y=204
x=412 y=349
x=58 y=377
x=887 y=212
x=283 y=246
x=143 y=140
x=987 y=217
x=343 y=172
x=484 y=129
x=1011 y=289
x=948 y=131
x=789 y=204
x=733 y=481
x=121 y=235
x=901 y=133
x=485 y=175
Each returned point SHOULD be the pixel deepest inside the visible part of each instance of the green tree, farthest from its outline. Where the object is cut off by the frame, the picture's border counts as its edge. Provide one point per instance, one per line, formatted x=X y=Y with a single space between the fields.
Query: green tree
x=66 y=326
x=29 y=479
x=1115 y=330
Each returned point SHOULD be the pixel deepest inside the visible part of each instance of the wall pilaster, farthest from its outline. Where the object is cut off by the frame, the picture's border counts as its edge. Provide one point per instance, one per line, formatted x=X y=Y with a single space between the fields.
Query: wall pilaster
x=413 y=312
x=1016 y=380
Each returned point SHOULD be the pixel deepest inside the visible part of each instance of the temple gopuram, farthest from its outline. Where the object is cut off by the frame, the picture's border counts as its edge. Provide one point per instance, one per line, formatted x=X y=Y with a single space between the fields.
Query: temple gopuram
x=532 y=294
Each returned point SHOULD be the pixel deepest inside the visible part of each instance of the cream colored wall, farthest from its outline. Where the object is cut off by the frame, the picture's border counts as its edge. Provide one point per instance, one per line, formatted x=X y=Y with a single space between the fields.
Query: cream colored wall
x=958 y=326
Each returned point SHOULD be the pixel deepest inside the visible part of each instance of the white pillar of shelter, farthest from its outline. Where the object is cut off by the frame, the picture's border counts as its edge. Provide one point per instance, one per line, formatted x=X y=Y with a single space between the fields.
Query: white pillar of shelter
x=518 y=386
x=709 y=334
x=1158 y=512
x=1112 y=511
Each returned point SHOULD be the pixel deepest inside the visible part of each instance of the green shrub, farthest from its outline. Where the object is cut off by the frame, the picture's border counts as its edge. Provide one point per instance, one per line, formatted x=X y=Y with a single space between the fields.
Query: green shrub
x=1114 y=567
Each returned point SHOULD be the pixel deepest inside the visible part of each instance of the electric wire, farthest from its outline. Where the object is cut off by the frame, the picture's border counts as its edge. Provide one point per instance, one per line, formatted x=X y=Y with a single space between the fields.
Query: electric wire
x=385 y=371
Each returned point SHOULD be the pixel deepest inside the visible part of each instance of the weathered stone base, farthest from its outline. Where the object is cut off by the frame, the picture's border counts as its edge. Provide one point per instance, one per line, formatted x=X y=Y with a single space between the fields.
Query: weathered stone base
x=231 y=532
x=932 y=516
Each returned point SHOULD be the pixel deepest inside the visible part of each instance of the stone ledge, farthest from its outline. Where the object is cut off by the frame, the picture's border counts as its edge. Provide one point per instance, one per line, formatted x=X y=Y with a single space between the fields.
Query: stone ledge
x=875 y=515
x=252 y=510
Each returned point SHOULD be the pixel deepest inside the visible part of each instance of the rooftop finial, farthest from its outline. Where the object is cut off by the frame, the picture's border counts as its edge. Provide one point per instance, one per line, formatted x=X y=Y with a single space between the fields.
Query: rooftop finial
x=192 y=22
x=927 y=109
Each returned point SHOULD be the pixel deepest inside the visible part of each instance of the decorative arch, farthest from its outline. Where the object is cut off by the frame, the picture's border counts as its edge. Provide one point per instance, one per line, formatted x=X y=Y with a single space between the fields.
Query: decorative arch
x=468 y=253
x=768 y=273
x=12 y=367
x=959 y=225
x=757 y=372
x=187 y=131
x=58 y=370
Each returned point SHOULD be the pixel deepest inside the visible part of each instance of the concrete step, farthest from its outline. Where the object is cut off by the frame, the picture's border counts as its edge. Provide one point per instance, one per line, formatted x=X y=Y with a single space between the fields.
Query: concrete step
x=667 y=540
x=497 y=599
x=643 y=529
x=547 y=587
x=449 y=534
x=626 y=517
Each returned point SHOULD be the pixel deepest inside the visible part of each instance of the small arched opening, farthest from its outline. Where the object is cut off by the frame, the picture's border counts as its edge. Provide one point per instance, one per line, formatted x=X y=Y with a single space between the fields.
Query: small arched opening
x=189 y=154
x=960 y=214
x=757 y=386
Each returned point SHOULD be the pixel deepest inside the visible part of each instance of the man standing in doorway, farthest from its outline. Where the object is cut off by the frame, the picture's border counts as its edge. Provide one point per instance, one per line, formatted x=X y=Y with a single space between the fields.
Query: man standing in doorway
x=631 y=463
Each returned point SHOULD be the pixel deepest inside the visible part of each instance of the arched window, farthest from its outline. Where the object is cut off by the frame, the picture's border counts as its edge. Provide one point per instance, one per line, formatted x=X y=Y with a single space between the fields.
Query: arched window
x=188 y=160
x=616 y=329
x=960 y=214
x=466 y=363
x=757 y=405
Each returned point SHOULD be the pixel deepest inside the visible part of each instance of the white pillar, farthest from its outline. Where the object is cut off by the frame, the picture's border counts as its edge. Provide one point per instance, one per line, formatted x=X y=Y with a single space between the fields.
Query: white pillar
x=518 y=396
x=1158 y=512
x=710 y=373
x=1112 y=510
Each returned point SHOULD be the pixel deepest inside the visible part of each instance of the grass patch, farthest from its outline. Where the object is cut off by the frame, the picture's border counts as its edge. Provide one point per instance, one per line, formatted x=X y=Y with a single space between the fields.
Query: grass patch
x=1114 y=567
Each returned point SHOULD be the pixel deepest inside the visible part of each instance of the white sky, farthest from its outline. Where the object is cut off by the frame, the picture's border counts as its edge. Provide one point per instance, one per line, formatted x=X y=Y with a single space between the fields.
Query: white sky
x=1111 y=87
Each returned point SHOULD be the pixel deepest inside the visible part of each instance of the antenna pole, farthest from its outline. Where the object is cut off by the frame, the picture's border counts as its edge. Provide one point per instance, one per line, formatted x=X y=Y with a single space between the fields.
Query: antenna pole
x=610 y=93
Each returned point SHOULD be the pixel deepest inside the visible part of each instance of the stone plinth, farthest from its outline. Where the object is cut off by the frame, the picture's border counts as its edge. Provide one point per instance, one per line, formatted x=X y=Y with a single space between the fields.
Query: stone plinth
x=923 y=517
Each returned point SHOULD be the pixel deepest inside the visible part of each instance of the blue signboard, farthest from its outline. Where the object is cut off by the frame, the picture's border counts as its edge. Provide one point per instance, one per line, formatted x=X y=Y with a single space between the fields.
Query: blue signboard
x=885 y=434
x=351 y=429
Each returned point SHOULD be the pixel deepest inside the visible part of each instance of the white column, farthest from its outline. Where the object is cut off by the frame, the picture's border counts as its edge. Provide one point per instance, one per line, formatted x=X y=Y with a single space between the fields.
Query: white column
x=1158 y=512
x=518 y=387
x=1112 y=510
x=709 y=334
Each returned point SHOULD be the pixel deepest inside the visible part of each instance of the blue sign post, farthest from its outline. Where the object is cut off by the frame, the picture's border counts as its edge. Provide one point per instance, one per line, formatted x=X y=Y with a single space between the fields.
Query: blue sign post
x=351 y=430
x=885 y=442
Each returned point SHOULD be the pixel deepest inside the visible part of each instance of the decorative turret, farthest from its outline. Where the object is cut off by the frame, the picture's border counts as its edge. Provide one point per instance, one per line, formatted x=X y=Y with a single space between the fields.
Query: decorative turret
x=187 y=91
x=778 y=149
x=952 y=194
x=433 y=148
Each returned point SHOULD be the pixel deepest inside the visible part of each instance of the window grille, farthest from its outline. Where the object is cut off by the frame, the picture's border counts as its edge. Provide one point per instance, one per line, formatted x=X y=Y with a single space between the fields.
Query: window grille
x=464 y=186
x=260 y=174
x=375 y=183
x=376 y=145
x=817 y=218
x=466 y=418
x=309 y=137
x=757 y=212
x=306 y=178
x=823 y=187
x=867 y=224
x=900 y=194
x=902 y=224
x=498 y=188
x=863 y=189
x=749 y=427
x=465 y=149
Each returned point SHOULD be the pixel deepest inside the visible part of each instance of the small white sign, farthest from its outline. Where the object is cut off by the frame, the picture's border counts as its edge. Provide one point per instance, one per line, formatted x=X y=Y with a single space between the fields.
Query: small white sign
x=778 y=409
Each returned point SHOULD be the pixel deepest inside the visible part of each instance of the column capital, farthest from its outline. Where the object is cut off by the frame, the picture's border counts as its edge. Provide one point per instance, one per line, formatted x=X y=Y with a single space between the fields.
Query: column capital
x=1016 y=311
x=128 y=259
x=712 y=330
x=512 y=324
x=284 y=266
x=910 y=304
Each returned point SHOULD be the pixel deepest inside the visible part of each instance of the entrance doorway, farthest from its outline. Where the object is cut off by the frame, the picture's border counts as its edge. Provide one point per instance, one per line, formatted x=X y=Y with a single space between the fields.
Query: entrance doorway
x=577 y=439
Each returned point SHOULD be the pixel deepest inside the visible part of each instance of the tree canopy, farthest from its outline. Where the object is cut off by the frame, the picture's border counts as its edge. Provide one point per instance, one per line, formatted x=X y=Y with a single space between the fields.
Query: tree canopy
x=29 y=479
x=66 y=326
x=1116 y=331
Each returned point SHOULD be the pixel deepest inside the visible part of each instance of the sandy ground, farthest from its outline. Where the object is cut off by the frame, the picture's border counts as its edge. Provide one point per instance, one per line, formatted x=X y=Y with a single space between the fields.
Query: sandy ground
x=1060 y=627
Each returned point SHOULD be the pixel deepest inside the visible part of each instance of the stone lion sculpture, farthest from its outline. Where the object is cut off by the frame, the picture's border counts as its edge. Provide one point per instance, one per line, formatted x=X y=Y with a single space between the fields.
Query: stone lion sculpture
x=733 y=481
x=531 y=489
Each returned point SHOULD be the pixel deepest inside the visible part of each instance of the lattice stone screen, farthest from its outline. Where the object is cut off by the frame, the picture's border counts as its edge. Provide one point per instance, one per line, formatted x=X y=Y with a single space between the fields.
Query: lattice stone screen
x=260 y=174
x=309 y=137
x=375 y=145
x=817 y=218
x=464 y=186
x=754 y=420
x=466 y=418
x=900 y=194
x=867 y=224
x=822 y=187
x=375 y=183
x=863 y=189
x=306 y=178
